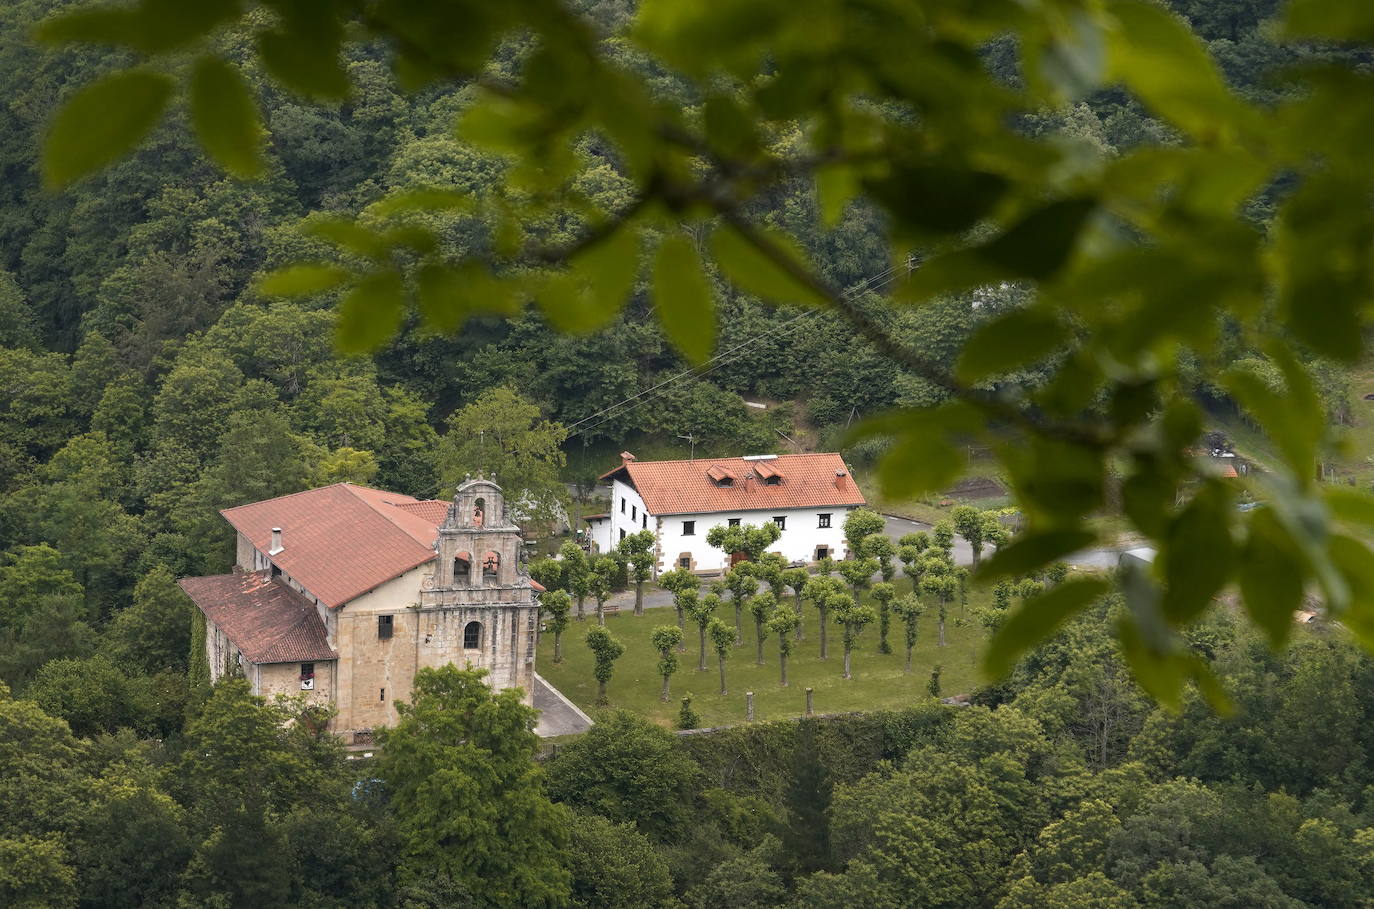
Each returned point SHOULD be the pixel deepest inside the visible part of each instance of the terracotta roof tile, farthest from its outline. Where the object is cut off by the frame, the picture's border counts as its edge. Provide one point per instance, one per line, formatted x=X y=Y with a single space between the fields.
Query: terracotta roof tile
x=685 y=487
x=267 y=621
x=343 y=540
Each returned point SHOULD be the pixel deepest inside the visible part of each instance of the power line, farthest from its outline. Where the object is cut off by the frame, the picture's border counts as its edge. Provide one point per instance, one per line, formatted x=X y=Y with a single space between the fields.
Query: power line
x=869 y=284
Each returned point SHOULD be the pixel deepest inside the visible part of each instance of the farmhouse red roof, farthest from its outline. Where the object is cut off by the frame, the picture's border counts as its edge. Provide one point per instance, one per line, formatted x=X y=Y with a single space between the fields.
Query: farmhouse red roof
x=343 y=540
x=687 y=487
x=266 y=620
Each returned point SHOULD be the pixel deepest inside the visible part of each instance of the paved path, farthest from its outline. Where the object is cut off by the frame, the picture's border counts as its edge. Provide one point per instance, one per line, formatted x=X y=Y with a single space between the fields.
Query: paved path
x=557 y=714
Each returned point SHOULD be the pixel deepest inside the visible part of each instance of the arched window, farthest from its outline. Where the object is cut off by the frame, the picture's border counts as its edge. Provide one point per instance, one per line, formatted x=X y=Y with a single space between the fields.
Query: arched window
x=479 y=512
x=491 y=564
x=472 y=636
x=462 y=568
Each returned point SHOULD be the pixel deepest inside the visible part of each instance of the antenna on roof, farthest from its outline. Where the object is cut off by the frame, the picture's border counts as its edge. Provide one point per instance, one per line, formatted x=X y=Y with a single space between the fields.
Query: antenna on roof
x=693 y=440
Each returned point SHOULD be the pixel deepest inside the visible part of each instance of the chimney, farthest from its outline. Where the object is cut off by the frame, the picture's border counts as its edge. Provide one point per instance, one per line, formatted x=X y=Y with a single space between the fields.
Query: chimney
x=839 y=479
x=276 y=542
x=626 y=457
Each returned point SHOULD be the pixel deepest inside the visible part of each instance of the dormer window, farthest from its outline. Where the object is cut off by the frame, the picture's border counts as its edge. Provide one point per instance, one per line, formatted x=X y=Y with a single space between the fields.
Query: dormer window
x=767 y=473
x=721 y=476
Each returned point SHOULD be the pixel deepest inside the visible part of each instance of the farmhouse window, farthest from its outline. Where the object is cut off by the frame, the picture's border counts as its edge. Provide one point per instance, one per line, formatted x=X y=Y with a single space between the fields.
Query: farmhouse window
x=622 y=504
x=781 y=521
x=472 y=636
x=622 y=533
x=823 y=520
x=689 y=528
x=734 y=522
x=384 y=626
x=644 y=521
x=634 y=512
x=307 y=676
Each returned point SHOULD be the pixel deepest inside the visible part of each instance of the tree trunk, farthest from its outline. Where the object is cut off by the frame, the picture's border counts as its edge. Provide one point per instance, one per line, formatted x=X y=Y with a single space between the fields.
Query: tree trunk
x=758 y=627
x=722 y=676
x=580 y=612
x=977 y=554
x=600 y=613
x=664 y=695
x=682 y=624
x=701 y=662
x=739 y=623
x=799 y=617
x=884 y=621
x=639 y=597
x=558 y=646
x=941 y=642
x=601 y=693
x=824 y=652
x=783 y=657
x=908 y=658
x=846 y=659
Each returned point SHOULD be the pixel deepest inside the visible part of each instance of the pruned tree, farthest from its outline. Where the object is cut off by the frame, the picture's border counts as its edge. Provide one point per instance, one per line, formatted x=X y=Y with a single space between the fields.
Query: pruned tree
x=910 y=557
x=908 y=609
x=825 y=567
x=769 y=569
x=969 y=523
x=577 y=574
x=722 y=641
x=742 y=584
x=549 y=573
x=601 y=581
x=679 y=582
x=858 y=574
x=761 y=606
x=605 y=651
x=665 y=638
x=942 y=589
x=701 y=610
x=795 y=579
x=749 y=539
x=883 y=593
x=853 y=617
x=859 y=524
x=554 y=606
x=638 y=550
x=782 y=622
x=880 y=548
x=819 y=591
x=942 y=538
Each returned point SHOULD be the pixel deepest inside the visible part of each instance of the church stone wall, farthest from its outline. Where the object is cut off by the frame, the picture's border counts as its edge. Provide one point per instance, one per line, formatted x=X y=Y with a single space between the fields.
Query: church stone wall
x=272 y=679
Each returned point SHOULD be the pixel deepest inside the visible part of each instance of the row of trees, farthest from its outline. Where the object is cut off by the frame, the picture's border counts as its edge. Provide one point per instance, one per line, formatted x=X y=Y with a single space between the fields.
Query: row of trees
x=759 y=586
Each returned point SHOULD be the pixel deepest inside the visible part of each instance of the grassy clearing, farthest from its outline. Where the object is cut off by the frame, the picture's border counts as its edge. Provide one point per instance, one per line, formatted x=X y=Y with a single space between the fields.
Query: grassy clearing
x=878 y=682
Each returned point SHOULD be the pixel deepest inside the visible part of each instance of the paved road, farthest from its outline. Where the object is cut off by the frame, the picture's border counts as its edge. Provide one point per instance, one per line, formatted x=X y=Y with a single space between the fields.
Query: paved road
x=896 y=528
x=557 y=715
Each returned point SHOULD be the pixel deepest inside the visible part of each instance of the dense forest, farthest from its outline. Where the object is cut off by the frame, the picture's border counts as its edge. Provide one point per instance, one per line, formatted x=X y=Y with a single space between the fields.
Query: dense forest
x=147 y=385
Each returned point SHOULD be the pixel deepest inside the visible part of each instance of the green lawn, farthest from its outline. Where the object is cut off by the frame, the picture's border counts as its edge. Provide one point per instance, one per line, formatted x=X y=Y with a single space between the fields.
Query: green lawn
x=878 y=682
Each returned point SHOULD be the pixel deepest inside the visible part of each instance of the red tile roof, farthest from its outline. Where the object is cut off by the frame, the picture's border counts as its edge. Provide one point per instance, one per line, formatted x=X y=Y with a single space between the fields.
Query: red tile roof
x=341 y=541
x=685 y=487
x=268 y=621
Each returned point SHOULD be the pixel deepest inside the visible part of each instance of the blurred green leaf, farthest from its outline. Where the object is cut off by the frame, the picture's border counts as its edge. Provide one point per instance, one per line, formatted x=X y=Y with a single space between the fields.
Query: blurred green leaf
x=1350 y=21
x=1020 y=337
x=102 y=122
x=930 y=198
x=753 y=272
x=1271 y=576
x=225 y=116
x=835 y=187
x=302 y=280
x=1039 y=618
x=610 y=267
x=151 y=27
x=683 y=299
x=370 y=313
x=1166 y=66
x=350 y=236
x=1198 y=554
x=1032 y=551
x=422 y=200
x=306 y=64
x=1038 y=245
x=448 y=295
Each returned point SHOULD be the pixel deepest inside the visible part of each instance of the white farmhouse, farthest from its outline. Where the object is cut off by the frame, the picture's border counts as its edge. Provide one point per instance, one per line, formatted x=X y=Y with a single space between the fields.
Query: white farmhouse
x=807 y=495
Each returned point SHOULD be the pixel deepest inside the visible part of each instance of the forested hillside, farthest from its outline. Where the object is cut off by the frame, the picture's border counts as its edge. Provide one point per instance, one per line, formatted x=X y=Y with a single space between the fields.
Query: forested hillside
x=148 y=384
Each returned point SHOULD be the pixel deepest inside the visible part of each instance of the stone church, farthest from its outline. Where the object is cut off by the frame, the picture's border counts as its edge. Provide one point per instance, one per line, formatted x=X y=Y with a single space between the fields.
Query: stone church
x=342 y=593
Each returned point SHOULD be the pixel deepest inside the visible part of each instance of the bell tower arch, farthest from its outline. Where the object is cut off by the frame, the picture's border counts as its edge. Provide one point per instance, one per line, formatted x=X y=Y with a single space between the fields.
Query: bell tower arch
x=478 y=546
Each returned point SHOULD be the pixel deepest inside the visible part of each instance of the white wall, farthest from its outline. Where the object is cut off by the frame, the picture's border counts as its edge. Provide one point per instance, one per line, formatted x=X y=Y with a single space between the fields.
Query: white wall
x=798 y=542
x=632 y=520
